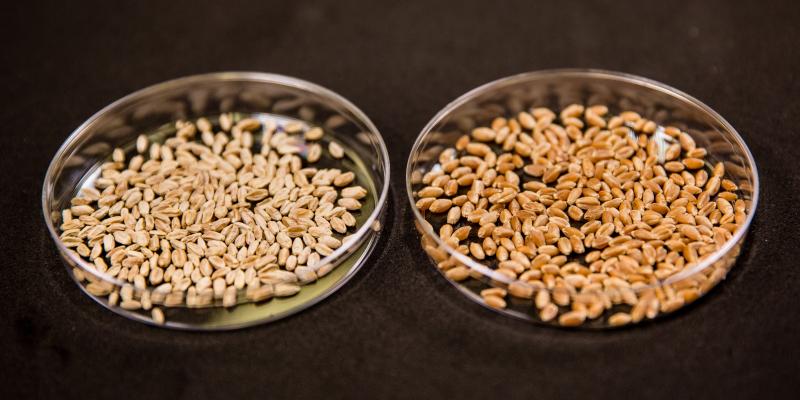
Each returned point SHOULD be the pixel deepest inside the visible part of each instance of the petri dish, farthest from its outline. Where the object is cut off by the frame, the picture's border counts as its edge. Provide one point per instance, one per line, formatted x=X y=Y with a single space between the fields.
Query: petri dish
x=275 y=100
x=556 y=89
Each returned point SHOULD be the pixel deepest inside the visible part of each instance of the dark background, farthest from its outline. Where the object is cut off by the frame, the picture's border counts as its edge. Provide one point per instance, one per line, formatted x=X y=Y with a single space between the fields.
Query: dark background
x=398 y=329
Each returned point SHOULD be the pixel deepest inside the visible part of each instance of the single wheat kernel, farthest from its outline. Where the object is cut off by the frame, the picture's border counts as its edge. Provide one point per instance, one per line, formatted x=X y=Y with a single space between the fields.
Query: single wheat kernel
x=262 y=293
x=142 y=143
x=542 y=299
x=495 y=301
x=247 y=124
x=355 y=192
x=440 y=206
x=521 y=290
x=548 y=312
x=335 y=150
x=113 y=298
x=118 y=155
x=344 y=179
x=157 y=315
x=572 y=318
x=483 y=134
x=430 y=191
x=286 y=289
x=203 y=124
x=314 y=153
x=693 y=163
x=477 y=251
x=495 y=291
x=315 y=133
x=349 y=203
x=458 y=273
x=619 y=319
x=130 y=305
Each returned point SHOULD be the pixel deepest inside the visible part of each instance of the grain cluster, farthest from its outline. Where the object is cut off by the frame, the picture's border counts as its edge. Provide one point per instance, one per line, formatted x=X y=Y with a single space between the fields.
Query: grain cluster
x=209 y=218
x=583 y=213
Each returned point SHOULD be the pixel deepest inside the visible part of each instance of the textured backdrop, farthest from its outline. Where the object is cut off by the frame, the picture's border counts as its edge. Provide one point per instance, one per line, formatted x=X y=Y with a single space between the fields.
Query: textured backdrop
x=398 y=329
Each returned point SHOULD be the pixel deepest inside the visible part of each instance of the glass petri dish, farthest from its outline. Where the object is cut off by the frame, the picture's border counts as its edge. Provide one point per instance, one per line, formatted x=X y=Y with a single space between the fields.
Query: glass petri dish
x=270 y=98
x=556 y=89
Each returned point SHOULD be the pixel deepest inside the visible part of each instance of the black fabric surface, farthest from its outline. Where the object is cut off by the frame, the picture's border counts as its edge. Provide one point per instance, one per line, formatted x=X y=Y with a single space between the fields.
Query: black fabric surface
x=398 y=330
